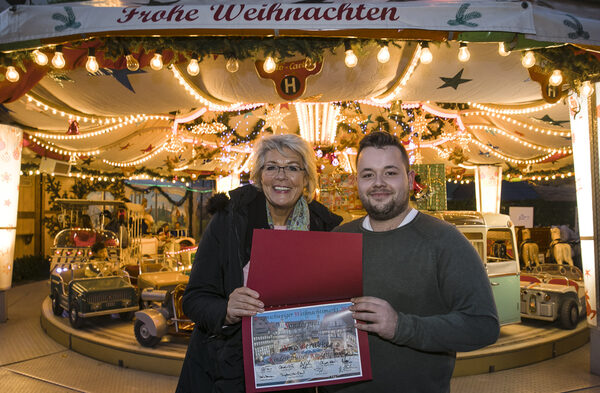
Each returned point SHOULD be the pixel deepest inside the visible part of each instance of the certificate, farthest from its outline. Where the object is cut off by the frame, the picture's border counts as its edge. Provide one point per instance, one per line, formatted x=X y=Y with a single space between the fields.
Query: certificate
x=297 y=346
x=306 y=336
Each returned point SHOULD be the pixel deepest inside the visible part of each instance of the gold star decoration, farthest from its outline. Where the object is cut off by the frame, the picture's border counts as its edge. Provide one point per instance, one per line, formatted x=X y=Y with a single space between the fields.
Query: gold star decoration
x=274 y=119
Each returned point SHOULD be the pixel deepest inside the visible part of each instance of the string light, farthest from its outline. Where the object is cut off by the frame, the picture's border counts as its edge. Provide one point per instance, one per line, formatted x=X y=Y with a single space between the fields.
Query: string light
x=383 y=56
x=514 y=111
x=232 y=65
x=61 y=150
x=132 y=63
x=131 y=120
x=156 y=63
x=546 y=131
x=140 y=160
x=92 y=64
x=401 y=83
x=39 y=57
x=564 y=150
x=426 y=55
x=502 y=49
x=556 y=78
x=212 y=105
x=269 y=65
x=351 y=60
x=193 y=68
x=12 y=75
x=58 y=60
x=528 y=60
x=463 y=52
x=508 y=158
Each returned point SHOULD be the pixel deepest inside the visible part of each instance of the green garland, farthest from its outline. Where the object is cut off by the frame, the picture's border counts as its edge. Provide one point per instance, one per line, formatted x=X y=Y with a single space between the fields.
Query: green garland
x=576 y=65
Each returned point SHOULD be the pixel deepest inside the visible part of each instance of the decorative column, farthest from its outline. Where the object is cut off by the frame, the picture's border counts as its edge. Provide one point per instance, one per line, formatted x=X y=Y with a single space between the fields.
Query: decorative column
x=10 y=168
x=488 y=186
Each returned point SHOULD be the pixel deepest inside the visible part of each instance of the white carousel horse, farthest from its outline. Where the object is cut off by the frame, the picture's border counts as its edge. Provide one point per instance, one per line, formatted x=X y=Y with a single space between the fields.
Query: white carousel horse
x=561 y=251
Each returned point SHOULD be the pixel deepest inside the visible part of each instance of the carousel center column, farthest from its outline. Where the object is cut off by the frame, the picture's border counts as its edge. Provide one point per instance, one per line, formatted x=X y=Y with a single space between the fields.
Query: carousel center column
x=488 y=188
x=10 y=168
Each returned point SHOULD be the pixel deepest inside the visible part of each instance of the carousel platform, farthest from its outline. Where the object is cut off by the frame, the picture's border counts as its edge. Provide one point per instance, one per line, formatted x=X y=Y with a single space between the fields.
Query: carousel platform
x=113 y=341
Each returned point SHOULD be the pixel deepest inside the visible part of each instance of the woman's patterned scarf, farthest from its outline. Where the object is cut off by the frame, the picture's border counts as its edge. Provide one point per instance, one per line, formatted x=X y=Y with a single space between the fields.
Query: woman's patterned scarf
x=299 y=220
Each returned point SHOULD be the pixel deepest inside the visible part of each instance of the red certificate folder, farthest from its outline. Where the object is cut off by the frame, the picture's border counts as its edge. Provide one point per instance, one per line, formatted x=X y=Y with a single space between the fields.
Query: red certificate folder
x=294 y=269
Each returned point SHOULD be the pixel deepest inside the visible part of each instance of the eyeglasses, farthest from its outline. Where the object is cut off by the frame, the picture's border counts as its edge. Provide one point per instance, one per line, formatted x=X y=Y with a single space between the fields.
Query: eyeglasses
x=288 y=170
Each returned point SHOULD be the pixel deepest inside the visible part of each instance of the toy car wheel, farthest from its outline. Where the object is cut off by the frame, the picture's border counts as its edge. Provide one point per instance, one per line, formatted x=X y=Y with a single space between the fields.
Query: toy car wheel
x=143 y=335
x=569 y=314
x=56 y=308
x=74 y=318
x=127 y=316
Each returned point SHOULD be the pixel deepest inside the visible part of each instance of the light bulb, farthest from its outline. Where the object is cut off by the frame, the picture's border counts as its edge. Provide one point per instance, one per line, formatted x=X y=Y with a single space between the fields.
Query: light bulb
x=132 y=63
x=309 y=64
x=58 y=60
x=502 y=49
x=463 y=53
x=383 y=56
x=269 y=65
x=586 y=89
x=92 y=64
x=556 y=78
x=40 y=57
x=232 y=65
x=156 y=63
x=351 y=60
x=193 y=68
x=528 y=60
x=426 y=56
x=12 y=75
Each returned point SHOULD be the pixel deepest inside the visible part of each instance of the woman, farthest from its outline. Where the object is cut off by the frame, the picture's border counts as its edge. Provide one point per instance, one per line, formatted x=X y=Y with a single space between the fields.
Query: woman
x=284 y=176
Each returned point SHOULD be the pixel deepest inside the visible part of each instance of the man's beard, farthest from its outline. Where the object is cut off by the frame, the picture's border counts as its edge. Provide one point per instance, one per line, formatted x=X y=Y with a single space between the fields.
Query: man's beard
x=387 y=211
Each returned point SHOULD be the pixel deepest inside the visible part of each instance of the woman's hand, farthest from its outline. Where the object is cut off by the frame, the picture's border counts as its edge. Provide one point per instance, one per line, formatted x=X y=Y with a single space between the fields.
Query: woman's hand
x=380 y=316
x=243 y=302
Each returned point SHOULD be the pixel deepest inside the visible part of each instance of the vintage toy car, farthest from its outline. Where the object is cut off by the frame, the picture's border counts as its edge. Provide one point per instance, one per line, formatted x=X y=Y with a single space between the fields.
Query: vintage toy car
x=552 y=292
x=161 y=294
x=89 y=289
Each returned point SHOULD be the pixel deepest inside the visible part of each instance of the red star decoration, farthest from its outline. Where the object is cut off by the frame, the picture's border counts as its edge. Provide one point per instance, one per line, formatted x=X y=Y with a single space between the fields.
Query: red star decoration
x=7 y=202
x=6 y=177
x=518 y=133
x=554 y=157
x=587 y=273
x=125 y=147
x=148 y=149
x=286 y=106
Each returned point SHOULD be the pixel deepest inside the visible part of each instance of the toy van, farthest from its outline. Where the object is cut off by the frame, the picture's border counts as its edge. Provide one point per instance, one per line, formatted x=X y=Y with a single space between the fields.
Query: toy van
x=493 y=236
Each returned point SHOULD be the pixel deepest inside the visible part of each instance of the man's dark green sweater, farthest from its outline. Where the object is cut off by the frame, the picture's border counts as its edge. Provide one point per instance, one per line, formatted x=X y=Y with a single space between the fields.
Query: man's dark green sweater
x=432 y=276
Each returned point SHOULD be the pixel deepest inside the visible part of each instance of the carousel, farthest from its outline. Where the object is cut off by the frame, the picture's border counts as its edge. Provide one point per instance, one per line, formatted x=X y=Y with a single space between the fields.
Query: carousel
x=120 y=98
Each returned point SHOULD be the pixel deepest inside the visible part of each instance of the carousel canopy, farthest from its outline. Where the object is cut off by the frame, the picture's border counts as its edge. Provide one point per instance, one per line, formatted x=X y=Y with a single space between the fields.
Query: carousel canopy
x=117 y=88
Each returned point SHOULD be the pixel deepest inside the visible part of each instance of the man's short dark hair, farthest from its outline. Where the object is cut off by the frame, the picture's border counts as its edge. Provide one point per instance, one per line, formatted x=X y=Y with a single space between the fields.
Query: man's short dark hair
x=97 y=247
x=381 y=139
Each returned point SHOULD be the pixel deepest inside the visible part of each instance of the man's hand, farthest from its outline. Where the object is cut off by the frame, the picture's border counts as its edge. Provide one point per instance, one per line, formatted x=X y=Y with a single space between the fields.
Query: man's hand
x=243 y=302
x=380 y=316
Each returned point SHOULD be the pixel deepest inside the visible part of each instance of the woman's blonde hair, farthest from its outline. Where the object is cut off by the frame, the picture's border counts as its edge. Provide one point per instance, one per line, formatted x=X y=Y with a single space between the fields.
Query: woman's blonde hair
x=279 y=143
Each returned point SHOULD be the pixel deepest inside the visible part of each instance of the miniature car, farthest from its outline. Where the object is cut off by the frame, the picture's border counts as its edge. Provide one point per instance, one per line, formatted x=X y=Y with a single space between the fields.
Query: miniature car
x=552 y=292
x=89 y=289
x=161 y=294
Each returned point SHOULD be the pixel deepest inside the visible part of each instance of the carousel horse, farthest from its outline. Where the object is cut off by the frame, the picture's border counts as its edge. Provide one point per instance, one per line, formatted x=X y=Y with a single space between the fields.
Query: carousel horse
x=559 y=250
x=529 y=250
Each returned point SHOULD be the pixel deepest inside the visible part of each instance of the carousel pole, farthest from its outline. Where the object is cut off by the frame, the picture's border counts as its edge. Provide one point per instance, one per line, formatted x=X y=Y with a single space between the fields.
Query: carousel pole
x=586 y=159
x=10 y=169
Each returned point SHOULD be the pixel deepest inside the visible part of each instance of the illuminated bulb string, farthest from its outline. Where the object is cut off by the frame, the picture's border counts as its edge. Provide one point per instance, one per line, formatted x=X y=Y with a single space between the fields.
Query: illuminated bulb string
x=75 y=116
x=507 y=158
x=212 y=105
x=130 y=120
x=546 y=131
x=403 y=80
x=565 y=150
x=513 y=111
x=140 y=160
x=63 y=151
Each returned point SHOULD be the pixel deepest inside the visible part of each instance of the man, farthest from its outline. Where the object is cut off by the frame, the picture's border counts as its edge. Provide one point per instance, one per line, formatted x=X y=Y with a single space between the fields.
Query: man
x=426 y=293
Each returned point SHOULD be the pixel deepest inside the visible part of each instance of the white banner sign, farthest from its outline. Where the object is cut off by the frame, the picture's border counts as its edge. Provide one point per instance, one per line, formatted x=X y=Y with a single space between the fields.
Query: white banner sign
x=23 y=23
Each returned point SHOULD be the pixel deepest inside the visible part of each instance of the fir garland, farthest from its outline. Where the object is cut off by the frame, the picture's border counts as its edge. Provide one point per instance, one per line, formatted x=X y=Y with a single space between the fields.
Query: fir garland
x=576 y=65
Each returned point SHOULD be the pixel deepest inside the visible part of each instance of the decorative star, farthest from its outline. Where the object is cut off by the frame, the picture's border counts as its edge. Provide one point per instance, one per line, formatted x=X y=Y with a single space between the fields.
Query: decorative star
x=368 y=121
x=549 y=120
x=492 y=146
x=485 y=154
x=87 y=160
x=519 y=133
x=286 y=106
x=7 y=202
x=148 y=149
x=587 y=273
x=454 y=81
x=6 y=177
x=122 y=76
x=125 y=147
x=274 y=119
x=490 y=131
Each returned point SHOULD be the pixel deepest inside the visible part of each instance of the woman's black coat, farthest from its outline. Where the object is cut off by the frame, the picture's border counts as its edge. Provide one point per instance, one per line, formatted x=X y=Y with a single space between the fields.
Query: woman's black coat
x=214 y=361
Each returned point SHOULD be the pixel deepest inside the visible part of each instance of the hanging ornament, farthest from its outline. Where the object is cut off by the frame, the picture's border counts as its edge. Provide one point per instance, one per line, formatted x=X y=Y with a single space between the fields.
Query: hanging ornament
x=73 y=128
